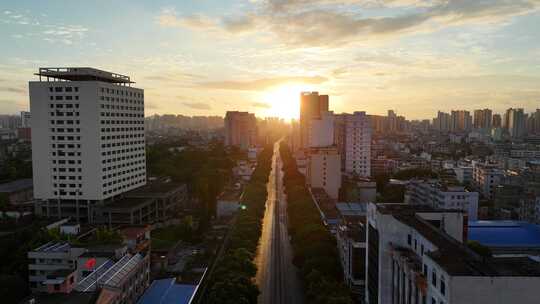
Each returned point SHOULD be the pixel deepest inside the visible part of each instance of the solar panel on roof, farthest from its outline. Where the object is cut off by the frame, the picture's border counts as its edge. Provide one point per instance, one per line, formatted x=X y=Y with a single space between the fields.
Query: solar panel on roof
x=111 y=276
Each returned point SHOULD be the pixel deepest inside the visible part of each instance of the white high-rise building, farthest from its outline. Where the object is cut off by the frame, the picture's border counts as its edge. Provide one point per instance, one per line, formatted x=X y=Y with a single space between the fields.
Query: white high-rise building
x=88 y=139
x=358 y=144
x=321 y=132
x=324 y=170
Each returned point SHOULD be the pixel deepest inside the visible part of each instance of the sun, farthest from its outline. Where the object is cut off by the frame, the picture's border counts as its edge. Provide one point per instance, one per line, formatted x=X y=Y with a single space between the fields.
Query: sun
x=284 y=101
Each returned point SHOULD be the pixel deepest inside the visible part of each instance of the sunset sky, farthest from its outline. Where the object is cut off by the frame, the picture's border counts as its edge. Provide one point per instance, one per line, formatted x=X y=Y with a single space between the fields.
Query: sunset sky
x=203 y=57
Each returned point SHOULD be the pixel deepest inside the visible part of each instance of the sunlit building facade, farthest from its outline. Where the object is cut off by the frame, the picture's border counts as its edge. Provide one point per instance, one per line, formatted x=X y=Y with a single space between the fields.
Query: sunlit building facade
x=87 y=139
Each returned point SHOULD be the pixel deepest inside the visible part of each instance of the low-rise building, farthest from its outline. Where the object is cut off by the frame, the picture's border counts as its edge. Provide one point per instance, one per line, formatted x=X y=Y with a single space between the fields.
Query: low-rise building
x=154 y=202
x=442 y=196
x=53 y=259
x=464 y=174
x=486 y=177
x=417 y=255
x=123 y=281
x=18 y=191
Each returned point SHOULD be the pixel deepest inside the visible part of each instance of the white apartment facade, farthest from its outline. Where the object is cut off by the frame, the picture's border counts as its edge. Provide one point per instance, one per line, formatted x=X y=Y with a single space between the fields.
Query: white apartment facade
x=358 y=144
x=324 y=170
x=486 y=177
x=437 y=195
x=321 y=132
x=49 y=258
x=87 y=138
x=418 y=256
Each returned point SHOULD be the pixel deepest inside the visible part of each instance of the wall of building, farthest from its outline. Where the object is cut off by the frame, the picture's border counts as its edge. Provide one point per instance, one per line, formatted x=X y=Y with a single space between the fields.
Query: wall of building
x=324 y=170
x=108 y=132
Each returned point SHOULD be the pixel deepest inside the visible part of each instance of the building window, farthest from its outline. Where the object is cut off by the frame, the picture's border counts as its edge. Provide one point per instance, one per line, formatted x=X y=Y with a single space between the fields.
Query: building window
x=434 y=278
x=443 y=287
x=409 y=239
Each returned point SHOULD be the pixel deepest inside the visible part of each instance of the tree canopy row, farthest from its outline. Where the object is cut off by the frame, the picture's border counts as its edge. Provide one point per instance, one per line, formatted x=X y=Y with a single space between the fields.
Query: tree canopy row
x=314 y=247
x=232 y=282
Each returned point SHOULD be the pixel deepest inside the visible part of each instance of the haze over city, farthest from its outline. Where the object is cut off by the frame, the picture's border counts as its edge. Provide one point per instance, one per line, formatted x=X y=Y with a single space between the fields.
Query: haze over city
x=204 y=57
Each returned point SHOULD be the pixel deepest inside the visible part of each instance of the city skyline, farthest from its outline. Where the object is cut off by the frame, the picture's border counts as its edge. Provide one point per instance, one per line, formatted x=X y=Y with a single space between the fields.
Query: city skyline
x=207 y=57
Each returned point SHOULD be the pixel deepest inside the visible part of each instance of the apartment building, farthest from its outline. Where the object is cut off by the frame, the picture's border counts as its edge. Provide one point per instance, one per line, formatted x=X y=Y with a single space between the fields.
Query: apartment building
x=324 y=170
x=240 y=129
x=357 y=144
x=486 y=177
x=311 y=106
x=321 y=132
x=351 y=243
x=464 y=174
x=439 y=195
x=417 y=255
x=88 y=139
x=50 y=262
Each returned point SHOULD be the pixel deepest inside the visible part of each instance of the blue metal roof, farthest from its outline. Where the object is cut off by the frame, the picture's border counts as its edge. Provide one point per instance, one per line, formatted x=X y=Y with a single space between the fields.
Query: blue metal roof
x=166 y=291
x=504 y=233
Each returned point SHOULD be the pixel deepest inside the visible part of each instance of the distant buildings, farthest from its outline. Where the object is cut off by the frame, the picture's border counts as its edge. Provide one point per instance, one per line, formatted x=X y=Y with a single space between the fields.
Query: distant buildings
x=516 y=123
x=497 y=121
x=240 y=129
x=25 y=119
x=170 y=121
x=88 y=139
x=442 y=122
x=460 y=121
x=482 y=119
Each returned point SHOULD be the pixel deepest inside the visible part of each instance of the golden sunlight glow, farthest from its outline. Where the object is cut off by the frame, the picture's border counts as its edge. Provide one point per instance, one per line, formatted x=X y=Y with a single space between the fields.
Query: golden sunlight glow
x=284 y=101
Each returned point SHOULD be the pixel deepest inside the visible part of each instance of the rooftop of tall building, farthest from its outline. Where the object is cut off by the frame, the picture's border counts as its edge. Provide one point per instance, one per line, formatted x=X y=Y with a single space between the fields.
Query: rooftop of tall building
x=453 y=256
x=81 y=74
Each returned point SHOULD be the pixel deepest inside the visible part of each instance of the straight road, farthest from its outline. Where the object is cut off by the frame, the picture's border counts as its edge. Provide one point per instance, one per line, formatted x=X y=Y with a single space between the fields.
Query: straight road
x=277 y=277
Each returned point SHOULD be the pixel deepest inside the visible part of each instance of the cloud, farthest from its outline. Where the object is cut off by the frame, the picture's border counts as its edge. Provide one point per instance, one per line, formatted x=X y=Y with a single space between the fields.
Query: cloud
x=338 y=22
x=172 y=77
x=240 y=24
x=197 y=105
x=169 y=18
x=261 y=84
x=263 y=105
